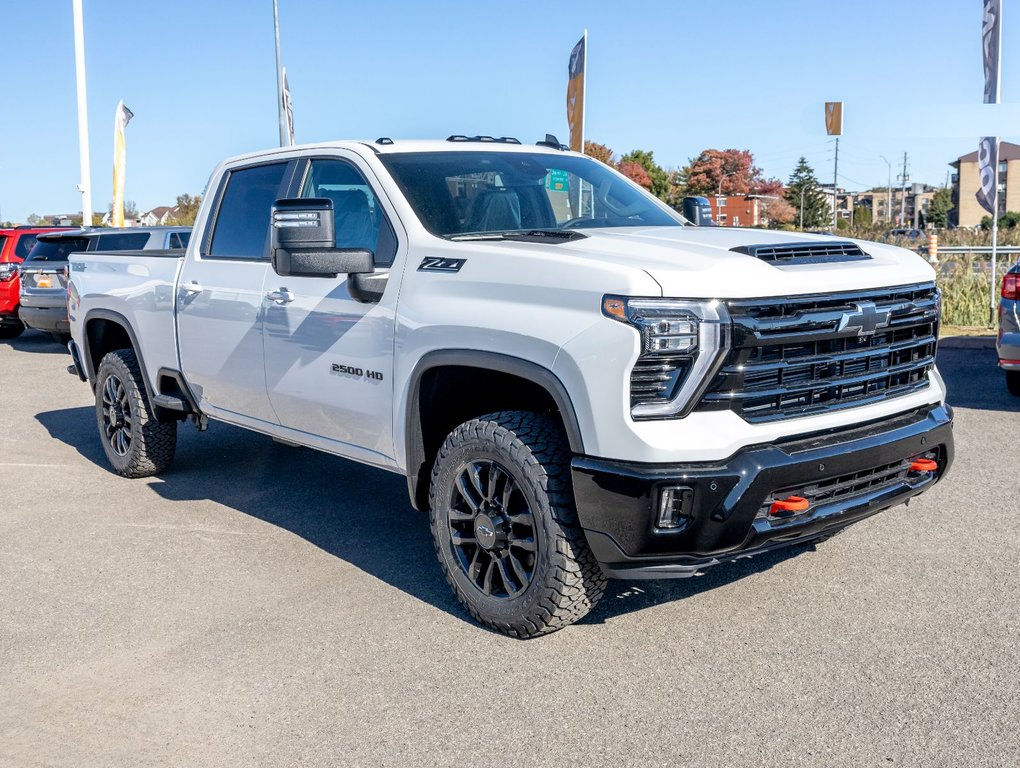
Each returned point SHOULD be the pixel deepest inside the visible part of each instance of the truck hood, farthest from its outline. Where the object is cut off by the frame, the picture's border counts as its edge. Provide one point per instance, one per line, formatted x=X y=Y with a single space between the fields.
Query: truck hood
x=698 y=262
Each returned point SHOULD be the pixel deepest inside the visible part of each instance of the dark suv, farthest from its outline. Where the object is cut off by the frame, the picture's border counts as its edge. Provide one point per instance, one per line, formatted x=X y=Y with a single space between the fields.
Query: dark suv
x=43 y=284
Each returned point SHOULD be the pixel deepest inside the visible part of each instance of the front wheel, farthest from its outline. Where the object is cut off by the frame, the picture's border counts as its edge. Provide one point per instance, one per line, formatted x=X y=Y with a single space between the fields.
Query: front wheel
x=135 y=443
x=1013 y=382
x=505 y=527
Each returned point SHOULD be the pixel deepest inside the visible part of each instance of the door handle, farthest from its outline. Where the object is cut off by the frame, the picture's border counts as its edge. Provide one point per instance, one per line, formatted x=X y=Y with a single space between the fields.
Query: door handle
x=282 y=296
x=192 y=287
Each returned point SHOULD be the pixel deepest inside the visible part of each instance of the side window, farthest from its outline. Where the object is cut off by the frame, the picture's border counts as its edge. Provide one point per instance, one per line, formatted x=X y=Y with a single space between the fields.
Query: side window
x=24 y=245
x=178 y=240
x=242 y=224
x=126 y=241
x=358 y=218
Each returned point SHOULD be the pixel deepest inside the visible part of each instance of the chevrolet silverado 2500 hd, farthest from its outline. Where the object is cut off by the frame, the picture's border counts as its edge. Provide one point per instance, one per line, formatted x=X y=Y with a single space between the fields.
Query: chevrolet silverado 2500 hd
x=575 y=382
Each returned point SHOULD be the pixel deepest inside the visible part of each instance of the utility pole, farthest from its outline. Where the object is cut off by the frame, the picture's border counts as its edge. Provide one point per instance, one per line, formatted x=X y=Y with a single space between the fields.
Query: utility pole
x=802 y=187
x=903 y=192
x=85 y=187
x=284 y=133
x=835 y=193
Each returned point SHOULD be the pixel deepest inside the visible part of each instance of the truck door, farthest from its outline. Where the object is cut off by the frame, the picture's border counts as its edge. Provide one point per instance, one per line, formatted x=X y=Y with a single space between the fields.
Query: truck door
x=329 y=358
x=220 y=305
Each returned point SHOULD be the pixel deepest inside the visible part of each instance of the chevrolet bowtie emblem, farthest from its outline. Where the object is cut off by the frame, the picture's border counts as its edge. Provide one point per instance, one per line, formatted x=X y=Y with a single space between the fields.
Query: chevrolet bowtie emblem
x=865 y=319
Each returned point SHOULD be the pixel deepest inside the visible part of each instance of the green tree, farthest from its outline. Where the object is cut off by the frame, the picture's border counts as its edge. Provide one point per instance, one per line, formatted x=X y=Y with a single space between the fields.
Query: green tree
x=862 y=216
x=186 y=210
x=660 y=184
x=814 y=211
x=940 y=206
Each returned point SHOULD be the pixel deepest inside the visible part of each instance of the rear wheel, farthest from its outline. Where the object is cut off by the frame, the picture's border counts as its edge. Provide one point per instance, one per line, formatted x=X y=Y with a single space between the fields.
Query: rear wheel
x=135 y=443
x=1013 y=382
x=505 y=527
x=12 y=330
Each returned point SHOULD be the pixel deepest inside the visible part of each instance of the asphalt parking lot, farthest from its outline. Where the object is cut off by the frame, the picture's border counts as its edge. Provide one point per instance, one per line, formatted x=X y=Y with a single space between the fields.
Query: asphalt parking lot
x=265 y=605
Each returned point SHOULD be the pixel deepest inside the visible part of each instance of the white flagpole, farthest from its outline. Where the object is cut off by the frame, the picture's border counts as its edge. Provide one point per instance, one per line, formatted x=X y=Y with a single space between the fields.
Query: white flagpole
x=85 y=187
x=279 y=80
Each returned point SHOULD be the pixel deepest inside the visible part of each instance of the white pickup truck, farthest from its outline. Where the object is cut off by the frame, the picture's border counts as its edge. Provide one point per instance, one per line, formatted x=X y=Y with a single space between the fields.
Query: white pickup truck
x=576 y=382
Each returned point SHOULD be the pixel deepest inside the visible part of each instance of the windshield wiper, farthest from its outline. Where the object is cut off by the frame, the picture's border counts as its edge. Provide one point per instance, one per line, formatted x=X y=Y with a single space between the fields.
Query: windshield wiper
x=526 y=236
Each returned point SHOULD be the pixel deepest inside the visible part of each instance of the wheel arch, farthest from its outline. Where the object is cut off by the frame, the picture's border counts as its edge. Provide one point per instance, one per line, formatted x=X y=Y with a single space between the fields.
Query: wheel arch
x=105 y=331
x=443 y=393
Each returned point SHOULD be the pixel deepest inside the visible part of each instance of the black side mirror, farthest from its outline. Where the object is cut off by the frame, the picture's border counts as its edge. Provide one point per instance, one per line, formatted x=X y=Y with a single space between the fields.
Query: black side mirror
x=304 y=244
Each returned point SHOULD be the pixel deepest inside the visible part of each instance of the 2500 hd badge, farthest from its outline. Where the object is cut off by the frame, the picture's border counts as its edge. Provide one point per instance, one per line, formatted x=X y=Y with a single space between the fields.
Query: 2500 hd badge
x=358 y=373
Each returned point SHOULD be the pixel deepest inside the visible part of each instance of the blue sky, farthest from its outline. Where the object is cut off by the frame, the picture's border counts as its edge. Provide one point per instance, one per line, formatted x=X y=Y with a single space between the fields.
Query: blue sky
x=673 y=77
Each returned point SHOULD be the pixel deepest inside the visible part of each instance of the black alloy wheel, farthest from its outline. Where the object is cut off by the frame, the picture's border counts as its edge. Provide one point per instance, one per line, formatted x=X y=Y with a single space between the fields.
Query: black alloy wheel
x=492 y=529
x=117 y=420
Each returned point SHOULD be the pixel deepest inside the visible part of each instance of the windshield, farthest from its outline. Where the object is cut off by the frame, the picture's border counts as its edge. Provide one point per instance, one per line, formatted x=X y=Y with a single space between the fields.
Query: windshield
x=459 y=193
x=56 y=250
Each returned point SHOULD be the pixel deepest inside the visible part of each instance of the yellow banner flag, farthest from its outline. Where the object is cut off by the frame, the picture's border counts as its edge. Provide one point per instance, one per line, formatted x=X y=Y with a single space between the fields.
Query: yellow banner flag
x=120 y=120
x=575 y=94
x=834 y=118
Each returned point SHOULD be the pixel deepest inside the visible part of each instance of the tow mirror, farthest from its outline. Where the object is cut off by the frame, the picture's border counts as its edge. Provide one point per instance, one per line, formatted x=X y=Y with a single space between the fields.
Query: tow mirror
x=304 y=243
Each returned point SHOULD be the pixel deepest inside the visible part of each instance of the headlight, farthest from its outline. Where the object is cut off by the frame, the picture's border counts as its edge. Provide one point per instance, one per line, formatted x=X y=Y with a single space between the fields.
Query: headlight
x=683 y=343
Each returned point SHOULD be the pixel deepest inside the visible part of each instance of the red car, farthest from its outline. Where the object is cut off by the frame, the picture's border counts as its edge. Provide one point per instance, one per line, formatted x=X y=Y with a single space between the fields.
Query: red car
x=14 y=247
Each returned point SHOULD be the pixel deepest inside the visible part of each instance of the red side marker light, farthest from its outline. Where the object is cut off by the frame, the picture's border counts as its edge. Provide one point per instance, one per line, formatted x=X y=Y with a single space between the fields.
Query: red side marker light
x=924 y=465
x=789 y=504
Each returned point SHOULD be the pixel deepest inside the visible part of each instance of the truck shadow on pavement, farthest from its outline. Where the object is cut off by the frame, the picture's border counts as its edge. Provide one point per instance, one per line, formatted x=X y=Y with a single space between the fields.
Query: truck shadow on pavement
x=973 y=380
x=356 y=513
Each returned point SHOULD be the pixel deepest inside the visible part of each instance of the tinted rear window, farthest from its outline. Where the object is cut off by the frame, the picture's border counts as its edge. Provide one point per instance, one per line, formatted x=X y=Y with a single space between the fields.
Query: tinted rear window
x=24 y=245
x=56 y=250
x=123 y=241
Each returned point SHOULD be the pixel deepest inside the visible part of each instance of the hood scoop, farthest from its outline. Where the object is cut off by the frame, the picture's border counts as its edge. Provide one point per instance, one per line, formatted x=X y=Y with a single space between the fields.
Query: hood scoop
x=783 y=254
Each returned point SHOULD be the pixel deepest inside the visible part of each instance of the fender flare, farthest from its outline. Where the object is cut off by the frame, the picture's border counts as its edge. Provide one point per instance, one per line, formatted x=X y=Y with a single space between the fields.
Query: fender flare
x=414 y=442
x=119 y=319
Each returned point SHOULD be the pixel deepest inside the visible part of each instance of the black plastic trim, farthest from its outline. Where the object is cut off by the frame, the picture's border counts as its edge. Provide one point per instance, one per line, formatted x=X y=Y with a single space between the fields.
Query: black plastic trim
x=414 y=454
x=616 y=500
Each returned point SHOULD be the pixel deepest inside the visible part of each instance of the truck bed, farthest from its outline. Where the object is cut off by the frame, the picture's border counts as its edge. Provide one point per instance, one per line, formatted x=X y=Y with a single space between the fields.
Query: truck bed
x=139 y=286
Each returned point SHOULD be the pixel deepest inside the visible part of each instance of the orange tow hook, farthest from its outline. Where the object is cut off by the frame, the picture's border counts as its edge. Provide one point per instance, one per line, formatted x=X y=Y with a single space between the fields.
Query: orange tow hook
x=789 y=504
x=924 y=465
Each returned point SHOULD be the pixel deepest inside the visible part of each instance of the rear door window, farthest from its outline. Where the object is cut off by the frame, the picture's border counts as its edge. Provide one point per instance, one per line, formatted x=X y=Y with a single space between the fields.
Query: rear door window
x=242 y=224
x=123 y=241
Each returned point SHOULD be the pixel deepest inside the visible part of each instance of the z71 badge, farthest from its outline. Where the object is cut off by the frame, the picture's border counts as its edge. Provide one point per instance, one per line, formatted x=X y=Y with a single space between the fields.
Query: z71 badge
x=436 y=264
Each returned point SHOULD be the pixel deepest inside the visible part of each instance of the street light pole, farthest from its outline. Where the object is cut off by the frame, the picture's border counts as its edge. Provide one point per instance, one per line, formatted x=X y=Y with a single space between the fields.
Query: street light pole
x=85 y=187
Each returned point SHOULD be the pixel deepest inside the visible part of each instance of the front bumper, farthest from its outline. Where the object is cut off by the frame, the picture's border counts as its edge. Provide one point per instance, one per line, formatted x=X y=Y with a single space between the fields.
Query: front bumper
x=617 y=502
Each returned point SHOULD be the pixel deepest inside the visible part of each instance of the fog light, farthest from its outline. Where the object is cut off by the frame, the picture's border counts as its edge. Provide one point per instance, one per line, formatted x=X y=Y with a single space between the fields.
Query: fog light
x=674 y=507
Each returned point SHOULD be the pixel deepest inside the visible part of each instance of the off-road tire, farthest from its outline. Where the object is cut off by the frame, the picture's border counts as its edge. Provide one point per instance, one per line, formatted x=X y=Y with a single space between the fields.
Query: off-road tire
x=12 y=330
x=566 y=580
x=1013 y=382
x=151 y=444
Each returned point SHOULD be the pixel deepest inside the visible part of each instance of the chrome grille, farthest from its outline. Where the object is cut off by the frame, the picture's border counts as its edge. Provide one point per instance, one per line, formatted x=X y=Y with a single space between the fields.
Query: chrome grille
x=798 y=356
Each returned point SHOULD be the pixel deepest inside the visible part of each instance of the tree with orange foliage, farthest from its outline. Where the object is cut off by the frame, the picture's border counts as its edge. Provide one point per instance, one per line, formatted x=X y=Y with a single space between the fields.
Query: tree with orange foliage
x=728 y=172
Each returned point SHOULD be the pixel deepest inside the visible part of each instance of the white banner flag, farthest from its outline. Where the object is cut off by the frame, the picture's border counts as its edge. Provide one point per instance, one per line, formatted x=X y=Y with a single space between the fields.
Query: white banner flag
x=120 y=120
